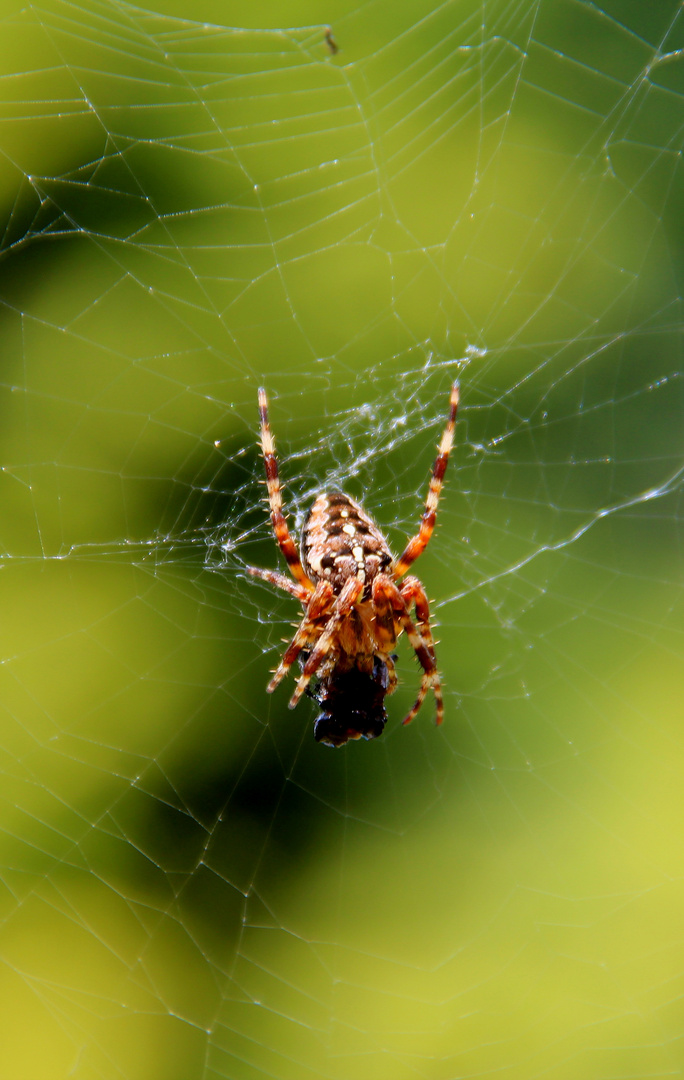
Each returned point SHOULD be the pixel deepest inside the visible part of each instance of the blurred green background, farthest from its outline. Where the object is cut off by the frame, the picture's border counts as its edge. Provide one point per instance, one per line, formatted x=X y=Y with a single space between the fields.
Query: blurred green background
x=191 y=886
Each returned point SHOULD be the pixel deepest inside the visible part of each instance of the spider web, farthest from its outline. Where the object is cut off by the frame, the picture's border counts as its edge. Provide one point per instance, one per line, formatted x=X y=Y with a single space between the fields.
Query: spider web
x=489 y=191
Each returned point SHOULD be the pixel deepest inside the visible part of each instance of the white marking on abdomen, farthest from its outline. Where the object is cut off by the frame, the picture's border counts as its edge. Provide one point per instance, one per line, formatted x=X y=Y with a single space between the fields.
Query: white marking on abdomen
x=357 y=552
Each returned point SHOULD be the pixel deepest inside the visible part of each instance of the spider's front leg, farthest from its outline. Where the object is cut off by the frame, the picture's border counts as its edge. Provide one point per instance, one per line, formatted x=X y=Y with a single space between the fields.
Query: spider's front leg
x=343 y=605
x=421 y=639
x=318 y=606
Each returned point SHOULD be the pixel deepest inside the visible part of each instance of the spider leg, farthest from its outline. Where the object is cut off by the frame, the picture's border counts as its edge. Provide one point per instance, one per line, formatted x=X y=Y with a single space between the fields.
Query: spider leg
x=383 y=616
x=281 y=582
x=275 y=498
x=418 y=543
x=344 y=603
x=317 y=607
x=413 y=592
x=423 y=646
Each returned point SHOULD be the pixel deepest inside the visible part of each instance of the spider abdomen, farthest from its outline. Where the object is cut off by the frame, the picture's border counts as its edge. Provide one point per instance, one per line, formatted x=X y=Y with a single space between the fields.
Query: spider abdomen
x=340 y=541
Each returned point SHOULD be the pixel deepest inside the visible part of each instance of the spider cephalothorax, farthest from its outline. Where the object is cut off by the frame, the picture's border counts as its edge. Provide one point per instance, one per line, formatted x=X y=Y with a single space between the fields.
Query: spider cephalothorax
x=346 y=578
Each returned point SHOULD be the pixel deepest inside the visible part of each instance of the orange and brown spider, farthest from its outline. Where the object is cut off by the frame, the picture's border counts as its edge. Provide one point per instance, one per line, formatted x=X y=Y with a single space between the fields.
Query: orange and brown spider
x=354 y=610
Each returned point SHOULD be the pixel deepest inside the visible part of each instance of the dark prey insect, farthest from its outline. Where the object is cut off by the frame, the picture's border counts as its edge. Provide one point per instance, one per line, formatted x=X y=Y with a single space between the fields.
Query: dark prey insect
x=354 y=608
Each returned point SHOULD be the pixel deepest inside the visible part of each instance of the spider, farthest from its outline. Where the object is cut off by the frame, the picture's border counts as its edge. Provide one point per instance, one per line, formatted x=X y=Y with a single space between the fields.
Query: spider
x=354 y=608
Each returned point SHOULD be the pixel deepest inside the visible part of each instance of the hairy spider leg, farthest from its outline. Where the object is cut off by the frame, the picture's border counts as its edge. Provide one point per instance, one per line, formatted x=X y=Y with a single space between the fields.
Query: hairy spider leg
x=281 y=582
x=275 y=499
x=428 y=682
x=384 y=630
x=430 y=679
x=344 y=603
x=318 y=606
x=424 y=649
x=413 y=592
x=418 y=543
